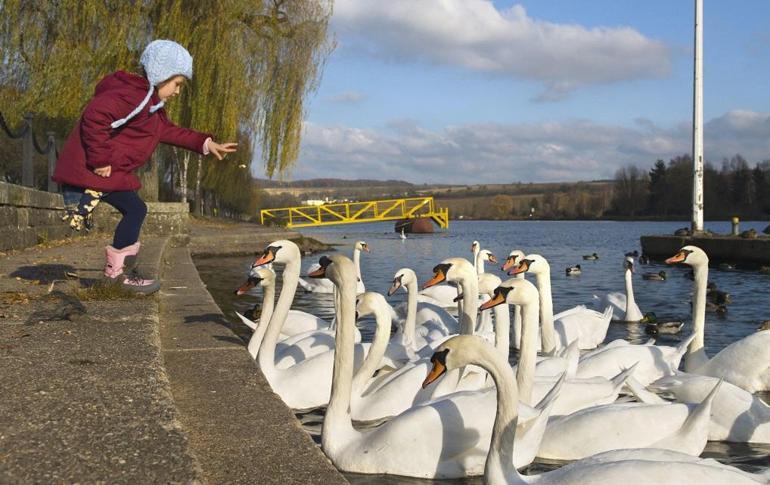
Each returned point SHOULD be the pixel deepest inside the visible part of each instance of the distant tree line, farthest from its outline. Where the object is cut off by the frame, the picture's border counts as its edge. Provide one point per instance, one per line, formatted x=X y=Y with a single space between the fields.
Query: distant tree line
x=665 y=190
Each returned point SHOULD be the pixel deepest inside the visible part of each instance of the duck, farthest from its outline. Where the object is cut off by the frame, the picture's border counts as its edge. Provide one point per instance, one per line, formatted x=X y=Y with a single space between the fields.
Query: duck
x=574 y=270
x=716 y=296
x=588 y=326
x=624 y=307
x=764 y=269
x=325 y=286
x=633 y=254
x=726 y=266
x=746 y=362
x=659 y=276
x=644 y=259
x=622 y=466
x=591 y=257
x=655 y=326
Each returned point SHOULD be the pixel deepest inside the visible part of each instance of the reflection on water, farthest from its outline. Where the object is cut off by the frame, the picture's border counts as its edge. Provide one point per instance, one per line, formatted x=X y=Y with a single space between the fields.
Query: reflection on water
x=563 y=244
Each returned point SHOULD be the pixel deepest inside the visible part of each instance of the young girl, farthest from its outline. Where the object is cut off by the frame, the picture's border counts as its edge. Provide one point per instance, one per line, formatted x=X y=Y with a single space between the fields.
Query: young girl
x=118 y=131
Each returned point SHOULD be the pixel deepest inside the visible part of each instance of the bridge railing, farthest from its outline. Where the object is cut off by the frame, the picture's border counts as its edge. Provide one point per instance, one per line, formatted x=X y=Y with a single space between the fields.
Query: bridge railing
x=30 y=145
x=356 y=212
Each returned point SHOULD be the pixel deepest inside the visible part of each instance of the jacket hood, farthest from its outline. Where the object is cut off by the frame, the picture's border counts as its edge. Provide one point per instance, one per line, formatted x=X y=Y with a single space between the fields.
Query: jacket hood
x=131 y=88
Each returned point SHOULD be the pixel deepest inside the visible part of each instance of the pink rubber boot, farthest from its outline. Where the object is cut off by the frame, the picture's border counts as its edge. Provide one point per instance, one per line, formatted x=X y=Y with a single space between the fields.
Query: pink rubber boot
x=121 y=268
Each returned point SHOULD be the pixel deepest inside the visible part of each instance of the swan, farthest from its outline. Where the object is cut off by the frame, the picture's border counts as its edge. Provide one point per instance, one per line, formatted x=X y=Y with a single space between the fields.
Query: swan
x=624 y=307
x=511 y=261
x=587 y=326
x=307 y=384
x=746 y=362
x=676 y=427
x=324 y=285
x=405 y=445
x=736 y=415
x=434 y=322
x=623 y=466
x=403 y=236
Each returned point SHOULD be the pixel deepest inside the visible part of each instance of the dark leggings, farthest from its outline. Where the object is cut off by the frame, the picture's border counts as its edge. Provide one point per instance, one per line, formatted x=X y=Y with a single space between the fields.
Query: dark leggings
x=134 y=210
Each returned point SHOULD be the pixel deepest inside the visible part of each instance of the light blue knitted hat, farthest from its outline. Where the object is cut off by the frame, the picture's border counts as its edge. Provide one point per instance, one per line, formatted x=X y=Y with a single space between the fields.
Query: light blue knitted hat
x=162 y=60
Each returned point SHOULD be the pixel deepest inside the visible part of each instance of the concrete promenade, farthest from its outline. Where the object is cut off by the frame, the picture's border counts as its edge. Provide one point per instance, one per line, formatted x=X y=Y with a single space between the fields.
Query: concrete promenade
x=101 y=389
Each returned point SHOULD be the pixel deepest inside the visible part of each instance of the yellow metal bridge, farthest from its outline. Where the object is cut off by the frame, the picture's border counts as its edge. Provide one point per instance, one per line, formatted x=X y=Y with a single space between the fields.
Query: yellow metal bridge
x=355 y=212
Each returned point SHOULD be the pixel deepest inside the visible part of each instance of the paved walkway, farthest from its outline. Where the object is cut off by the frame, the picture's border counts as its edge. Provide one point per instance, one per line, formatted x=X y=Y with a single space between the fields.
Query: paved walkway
x=143 y=390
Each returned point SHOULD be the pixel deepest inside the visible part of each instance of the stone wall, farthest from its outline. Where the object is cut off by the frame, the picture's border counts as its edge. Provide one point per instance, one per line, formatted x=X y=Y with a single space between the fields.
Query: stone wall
x=29 y=217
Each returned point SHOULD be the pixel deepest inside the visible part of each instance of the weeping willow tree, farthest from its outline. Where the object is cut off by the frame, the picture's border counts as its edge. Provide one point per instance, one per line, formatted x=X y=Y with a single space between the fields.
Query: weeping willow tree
x=255 y=63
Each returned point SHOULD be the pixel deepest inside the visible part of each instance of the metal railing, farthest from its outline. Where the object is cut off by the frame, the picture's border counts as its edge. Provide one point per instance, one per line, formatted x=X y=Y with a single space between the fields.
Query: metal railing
x=30 y=143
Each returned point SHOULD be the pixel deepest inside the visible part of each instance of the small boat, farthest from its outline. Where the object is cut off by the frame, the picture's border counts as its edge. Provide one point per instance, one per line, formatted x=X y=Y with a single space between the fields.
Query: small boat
x=659 y=276
x=574 y=270
x=591 y=257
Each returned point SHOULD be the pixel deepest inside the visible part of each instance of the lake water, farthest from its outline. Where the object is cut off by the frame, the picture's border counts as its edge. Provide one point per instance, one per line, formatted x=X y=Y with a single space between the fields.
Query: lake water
x=563 y=244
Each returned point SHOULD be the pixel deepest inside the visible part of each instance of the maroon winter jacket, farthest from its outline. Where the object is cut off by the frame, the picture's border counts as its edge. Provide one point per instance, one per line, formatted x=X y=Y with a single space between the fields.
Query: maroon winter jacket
x=93 y=143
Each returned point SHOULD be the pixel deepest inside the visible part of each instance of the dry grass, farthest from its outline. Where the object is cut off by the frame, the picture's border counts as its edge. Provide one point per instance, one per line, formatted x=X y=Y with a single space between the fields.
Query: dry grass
x=8 y=298
x=106 y=291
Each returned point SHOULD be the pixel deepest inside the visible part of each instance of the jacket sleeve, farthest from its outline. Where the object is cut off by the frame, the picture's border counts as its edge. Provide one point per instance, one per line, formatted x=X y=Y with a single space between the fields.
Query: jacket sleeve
x=181 y=137
x=95 y=133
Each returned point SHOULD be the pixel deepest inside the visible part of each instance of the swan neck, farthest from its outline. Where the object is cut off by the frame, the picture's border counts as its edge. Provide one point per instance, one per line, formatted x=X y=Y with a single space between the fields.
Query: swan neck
x=546 y=311
x=499 y=467
x=696 y=354
x=268 y=303
x=410 y=325
x=376 y=351
x=525 y=371
x=337 y=422
x=289 y=287
x=503 y=330
x=470 y=308
x=357 y=262
x=479 y=263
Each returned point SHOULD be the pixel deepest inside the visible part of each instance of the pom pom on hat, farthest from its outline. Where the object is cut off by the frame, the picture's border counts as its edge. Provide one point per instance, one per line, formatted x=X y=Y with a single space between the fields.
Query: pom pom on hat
x=162 y=60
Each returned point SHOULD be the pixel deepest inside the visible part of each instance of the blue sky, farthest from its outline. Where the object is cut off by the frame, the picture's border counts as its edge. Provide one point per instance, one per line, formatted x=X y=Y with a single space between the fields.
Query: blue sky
x=463 y=91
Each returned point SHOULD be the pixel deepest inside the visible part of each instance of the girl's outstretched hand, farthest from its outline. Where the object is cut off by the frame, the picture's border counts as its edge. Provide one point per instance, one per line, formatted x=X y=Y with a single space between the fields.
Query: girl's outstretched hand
x=221 y=150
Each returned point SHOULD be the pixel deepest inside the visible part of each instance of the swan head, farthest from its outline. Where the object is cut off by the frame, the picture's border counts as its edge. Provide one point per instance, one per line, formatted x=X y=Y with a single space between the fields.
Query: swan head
x=370 y=303
x=487 y=255
x=513 y=292
x=531 y=263
x=628 y=264
x=513 y=259
x=338 y=268
x=455 y=353
x=403 y=277
x=451 y=270
x=281 y=252
x=361 y=246
x=487 y=283
x=690 y=255
x=475 y=247
x=257 y=277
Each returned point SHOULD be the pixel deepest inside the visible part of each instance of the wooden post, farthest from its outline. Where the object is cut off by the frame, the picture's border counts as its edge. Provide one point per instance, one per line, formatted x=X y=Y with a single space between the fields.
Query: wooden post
x=27 y=170
x=52 y=186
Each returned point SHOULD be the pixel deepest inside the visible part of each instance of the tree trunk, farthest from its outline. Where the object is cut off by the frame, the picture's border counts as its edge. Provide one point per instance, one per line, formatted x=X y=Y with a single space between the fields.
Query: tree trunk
x=198 y=195
x=148 y=176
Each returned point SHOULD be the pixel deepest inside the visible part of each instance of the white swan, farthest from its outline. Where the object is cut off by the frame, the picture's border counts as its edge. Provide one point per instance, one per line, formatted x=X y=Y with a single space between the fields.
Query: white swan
x=513 y=259
x=736 y=415
x=306 y=384
x=422 y=323
x=405 y=445
x=587 y=326
x=746 y=362
x=625 y=466
x=624 y=307
x=675 y=427
x=324 y=285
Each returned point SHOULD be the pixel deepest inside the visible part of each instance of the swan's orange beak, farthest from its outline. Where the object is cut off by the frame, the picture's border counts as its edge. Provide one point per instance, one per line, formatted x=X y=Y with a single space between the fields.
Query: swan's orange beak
x=365 y=248
x=498 y=299
x=438 y=277
x=436 y=371
x=319 y=273
x=267 y=256
x=249 y=284
x=492 y=259
x=395 y=286
x=509 y=262
x=677 y=258
x=521 y=268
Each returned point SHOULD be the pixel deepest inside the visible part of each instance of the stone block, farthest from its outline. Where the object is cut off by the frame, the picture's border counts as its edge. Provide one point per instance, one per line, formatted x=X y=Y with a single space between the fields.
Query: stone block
x=16 y=195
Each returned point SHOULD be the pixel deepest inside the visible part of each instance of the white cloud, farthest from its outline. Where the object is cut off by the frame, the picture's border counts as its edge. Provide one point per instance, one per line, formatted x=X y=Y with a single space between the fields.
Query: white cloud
x=486 y=153
x=347 y=97
x=472 y=34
